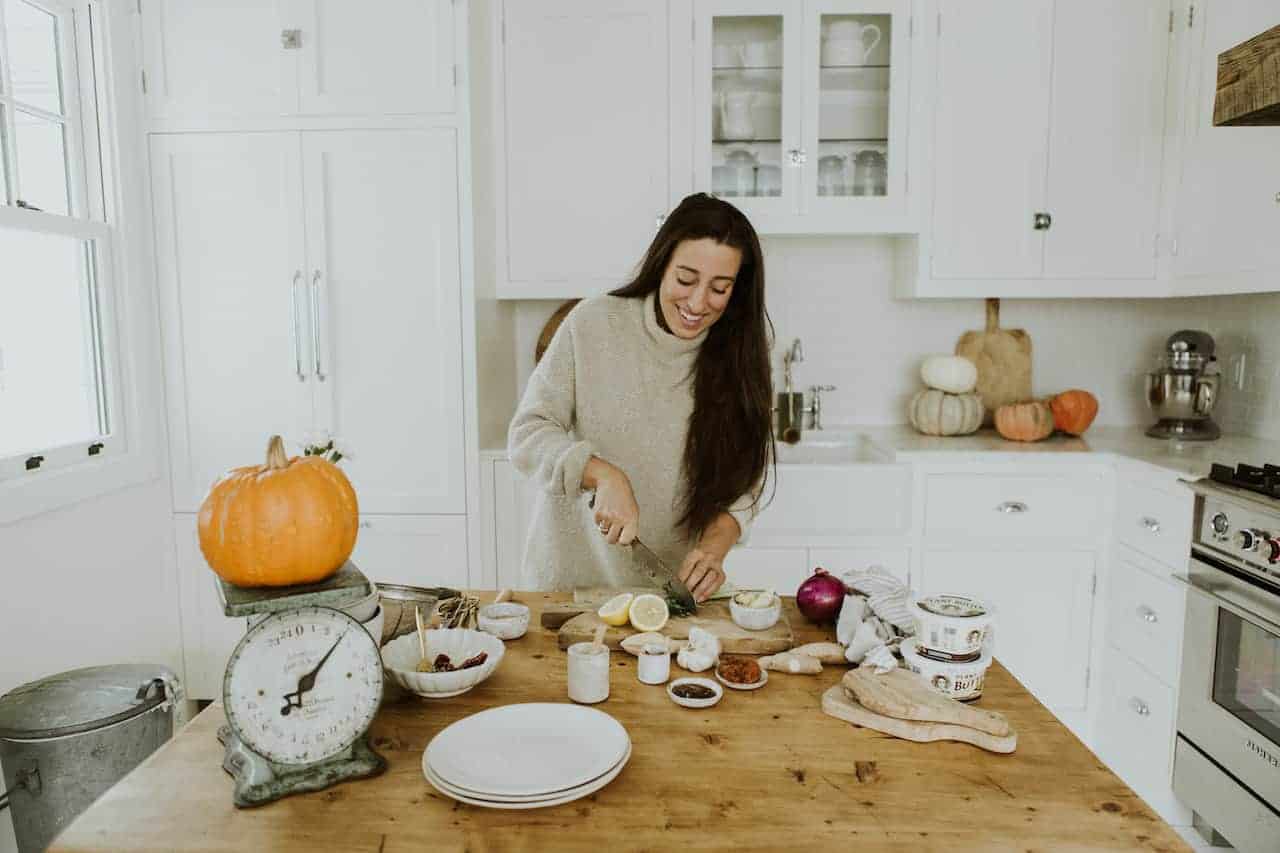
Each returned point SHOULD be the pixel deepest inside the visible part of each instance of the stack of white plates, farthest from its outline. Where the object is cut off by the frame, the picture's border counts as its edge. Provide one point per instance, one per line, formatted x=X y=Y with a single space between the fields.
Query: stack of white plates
x=527 y=756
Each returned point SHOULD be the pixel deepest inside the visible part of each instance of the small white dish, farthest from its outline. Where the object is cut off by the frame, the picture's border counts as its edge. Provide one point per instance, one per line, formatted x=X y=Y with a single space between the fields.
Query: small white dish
x=764 y=679
x=507 y=620
x=695 y=703
x=400 y=659
x=754 y=618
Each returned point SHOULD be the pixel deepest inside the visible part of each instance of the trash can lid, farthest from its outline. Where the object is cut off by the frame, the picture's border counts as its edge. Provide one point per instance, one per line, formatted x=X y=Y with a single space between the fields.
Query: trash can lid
x=82 y=700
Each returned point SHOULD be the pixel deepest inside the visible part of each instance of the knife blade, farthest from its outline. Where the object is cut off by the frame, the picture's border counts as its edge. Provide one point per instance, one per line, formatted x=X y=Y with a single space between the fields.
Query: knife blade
x=653 y=566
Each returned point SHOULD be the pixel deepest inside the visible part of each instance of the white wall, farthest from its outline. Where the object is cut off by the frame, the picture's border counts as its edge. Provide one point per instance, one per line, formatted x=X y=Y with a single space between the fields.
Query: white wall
x=1246 y=326
x=835 y=294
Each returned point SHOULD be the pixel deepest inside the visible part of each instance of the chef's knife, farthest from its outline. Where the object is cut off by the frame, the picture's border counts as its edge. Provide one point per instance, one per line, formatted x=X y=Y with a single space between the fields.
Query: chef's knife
x=651 y=564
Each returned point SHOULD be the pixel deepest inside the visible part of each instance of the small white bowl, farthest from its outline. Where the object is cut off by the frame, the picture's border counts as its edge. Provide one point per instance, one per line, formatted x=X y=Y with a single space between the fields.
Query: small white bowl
x=754 y=618
x=733 y=685
x=695 y=703
x=962 y=681
x=400 y=659
x=507 y=620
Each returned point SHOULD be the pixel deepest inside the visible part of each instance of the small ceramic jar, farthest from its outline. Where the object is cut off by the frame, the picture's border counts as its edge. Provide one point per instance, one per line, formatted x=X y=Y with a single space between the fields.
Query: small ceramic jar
x=961 y=681
x=588 y=673
x=754 y=618
x=951 y=627
x=506 y=621
x=654 y=664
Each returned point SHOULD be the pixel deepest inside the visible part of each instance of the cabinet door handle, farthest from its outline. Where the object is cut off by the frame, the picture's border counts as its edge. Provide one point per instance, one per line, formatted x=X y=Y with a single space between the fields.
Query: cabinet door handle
x=1142 y=709
x=797 y=156
x=1041 y=221
x=1012 y=507
x=297 y=337
x=1152 y=525
x=1146 y=614
x=315 y=324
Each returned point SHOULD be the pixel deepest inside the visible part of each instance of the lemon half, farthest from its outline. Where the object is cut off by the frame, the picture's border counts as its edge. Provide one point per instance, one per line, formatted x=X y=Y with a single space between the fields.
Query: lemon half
x=615 y=610
x=649 y=612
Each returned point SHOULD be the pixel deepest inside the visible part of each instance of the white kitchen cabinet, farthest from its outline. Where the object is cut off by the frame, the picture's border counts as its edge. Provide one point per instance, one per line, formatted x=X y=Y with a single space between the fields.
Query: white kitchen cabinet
x=1228 y=198
x=230 y=259
x=384 y=293
x=248 y=59
x=418 y=550
x=1006 y=506
x=801 y=112
x=1145 y=615
x=1044 y=605
x=1064 y=200
x=208 y=635
x=353 y=330
x=581 y=143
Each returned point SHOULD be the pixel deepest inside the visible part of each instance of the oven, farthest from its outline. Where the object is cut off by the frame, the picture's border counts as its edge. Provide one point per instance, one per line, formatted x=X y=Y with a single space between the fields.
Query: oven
x=1227 y=755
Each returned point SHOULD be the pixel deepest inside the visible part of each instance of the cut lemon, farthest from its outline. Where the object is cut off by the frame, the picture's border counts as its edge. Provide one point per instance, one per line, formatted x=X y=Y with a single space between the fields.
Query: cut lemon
x=649 y=612
x=615 y=610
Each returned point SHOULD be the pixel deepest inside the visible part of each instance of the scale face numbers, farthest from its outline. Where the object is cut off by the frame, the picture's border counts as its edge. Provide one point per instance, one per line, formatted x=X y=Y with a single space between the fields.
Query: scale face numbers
x=303 y=685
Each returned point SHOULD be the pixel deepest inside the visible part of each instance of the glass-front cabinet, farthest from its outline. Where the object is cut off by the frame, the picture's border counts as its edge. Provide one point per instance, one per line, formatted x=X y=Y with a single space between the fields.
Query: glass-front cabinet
x=801 y=112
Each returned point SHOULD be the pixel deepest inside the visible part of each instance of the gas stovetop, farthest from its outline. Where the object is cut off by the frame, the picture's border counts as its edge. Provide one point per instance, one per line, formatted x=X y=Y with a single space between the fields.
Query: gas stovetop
x=1264 y=481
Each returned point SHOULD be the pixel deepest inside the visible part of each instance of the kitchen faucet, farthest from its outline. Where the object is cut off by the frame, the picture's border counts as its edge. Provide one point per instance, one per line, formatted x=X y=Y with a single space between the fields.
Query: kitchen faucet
x=790 y=405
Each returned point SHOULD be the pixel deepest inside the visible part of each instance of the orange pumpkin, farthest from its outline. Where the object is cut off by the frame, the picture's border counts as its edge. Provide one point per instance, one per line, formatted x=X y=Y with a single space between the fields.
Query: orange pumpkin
x=1025 y=421
x=1074 y=410
x=290 y=521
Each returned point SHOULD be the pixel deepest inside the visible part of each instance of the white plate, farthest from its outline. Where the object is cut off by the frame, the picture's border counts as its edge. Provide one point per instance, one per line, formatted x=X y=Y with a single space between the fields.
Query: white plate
x=554 y=800
x=527 y=749
x=732 y=685
x=579 y=790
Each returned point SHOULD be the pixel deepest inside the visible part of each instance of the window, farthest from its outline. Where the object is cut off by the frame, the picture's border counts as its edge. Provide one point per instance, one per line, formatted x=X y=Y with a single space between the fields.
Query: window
x=58 y=394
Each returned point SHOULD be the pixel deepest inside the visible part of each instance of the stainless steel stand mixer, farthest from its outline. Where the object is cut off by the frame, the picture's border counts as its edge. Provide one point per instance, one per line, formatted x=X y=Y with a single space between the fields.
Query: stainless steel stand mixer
x=1184 y=388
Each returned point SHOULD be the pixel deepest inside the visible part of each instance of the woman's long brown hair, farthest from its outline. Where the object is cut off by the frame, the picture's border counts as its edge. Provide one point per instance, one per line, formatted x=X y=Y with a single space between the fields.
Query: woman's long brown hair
x=730 y=440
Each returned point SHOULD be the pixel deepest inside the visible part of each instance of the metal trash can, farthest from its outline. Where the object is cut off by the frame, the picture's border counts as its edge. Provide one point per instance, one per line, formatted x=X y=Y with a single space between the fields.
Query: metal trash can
x=66 y=739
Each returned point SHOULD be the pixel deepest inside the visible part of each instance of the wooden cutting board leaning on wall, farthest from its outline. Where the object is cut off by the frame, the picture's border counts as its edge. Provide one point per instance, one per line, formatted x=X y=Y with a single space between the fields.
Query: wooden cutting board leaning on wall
x=1003 y=358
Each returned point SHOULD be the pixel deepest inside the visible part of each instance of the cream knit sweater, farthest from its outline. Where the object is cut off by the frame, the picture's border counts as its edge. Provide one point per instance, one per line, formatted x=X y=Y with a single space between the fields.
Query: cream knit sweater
x=612 y=384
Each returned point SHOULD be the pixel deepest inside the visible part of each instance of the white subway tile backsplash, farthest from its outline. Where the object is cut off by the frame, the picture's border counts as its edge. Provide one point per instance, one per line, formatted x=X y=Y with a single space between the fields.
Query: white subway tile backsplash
x=836 y=294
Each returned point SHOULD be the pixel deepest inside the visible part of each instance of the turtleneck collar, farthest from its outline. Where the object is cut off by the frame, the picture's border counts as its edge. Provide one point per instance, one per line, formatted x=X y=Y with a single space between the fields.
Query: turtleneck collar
x=665 y=342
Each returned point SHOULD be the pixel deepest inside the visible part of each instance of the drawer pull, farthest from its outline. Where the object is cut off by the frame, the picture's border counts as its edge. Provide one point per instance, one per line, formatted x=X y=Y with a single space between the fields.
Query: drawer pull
x=1012 y=507
x=1142 y=709
x=1151 y=524
x=1146 y=614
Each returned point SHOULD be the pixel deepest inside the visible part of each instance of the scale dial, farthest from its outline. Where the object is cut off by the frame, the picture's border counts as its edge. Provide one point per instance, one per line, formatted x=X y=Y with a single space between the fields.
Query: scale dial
x=302 y=685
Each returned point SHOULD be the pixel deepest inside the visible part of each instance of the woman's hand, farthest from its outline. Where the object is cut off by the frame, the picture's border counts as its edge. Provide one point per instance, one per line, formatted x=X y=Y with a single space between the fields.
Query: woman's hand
x=702 y=572
x=617 y=514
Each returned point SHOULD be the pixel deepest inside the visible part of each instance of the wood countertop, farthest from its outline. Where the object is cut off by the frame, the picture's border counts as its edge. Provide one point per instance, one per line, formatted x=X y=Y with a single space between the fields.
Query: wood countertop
x=764 y=769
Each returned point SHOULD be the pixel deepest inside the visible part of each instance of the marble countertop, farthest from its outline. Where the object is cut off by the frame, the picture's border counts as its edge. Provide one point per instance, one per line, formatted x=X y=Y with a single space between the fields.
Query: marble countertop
x=1186 y=458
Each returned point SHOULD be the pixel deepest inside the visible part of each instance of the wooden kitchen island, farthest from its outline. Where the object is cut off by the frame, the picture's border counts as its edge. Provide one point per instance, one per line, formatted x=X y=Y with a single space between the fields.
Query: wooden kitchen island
x=763 y=770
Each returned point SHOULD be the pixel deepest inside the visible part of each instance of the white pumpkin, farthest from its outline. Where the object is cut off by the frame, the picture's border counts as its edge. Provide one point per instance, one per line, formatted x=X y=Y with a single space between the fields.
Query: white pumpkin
x=935 y=412
x=954 y=374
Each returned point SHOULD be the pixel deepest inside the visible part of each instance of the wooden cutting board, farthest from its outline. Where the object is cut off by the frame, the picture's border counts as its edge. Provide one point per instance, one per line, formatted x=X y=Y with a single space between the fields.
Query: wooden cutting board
x=712 y=616
x=1003 y=358
x=585 y=599
x=836 y=703
x=904 y=695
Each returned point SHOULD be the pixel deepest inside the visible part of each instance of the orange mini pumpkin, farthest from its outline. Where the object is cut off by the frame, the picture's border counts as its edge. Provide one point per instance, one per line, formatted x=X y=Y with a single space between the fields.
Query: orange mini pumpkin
x=289 y=521
x=1025 y=421
x=1074 y=411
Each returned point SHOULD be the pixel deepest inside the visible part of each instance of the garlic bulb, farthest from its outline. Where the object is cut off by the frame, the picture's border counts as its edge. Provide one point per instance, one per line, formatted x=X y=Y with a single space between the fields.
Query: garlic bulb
x=701 y=652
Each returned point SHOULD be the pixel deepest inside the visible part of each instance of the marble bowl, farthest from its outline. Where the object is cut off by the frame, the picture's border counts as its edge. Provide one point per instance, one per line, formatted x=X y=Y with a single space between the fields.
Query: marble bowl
x=755 y=618
x=400 y=659
x=507 y=620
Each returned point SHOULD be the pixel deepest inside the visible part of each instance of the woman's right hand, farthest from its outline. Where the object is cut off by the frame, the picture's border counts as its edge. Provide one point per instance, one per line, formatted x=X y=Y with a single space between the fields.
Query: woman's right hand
x=617 y=515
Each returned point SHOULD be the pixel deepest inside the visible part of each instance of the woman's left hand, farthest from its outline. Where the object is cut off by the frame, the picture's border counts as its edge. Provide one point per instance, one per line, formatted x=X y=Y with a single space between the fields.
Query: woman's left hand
x=703 y=572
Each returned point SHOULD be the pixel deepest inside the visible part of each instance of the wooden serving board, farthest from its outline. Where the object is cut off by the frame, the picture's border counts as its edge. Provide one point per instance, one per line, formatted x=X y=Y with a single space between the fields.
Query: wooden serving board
x=836 y=703
x=904 y=695
x=712 y=616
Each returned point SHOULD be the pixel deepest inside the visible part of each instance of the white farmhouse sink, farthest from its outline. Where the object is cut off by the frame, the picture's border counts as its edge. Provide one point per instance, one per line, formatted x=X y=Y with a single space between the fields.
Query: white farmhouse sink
x=835 y=484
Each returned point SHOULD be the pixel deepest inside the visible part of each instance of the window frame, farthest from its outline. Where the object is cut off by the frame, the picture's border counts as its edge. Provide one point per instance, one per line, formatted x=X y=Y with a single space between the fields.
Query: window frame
x=108 y=196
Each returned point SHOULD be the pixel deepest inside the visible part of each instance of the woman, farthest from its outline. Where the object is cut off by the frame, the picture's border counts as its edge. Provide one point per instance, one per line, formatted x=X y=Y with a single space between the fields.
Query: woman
x=655 y=400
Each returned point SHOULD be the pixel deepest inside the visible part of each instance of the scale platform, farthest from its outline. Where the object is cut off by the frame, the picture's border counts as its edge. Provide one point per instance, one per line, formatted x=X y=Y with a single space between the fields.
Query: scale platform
x=346 y=587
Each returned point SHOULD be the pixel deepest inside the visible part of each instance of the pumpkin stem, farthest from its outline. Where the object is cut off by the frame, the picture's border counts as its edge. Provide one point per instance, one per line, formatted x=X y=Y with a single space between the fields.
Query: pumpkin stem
x=993 y=315
x=277 y=459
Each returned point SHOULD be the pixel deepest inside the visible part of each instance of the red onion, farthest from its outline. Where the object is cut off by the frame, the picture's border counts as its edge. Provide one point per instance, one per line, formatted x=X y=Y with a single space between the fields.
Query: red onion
x=820 y=597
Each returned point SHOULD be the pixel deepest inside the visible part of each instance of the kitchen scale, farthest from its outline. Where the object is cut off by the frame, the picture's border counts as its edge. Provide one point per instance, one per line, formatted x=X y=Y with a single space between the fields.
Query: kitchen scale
x=301 y=689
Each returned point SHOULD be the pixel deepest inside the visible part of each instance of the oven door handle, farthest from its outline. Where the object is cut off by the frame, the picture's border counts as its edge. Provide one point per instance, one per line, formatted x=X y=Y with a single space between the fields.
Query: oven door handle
x=1198 y=585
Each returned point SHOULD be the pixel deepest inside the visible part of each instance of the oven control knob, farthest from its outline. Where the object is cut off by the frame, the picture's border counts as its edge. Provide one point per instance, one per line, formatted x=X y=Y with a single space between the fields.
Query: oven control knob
x=1221 y=524
x=1246 y=540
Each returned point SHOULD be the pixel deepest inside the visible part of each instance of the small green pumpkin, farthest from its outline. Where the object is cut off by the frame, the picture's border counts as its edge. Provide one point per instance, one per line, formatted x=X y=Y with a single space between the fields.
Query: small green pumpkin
x=935 y=412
